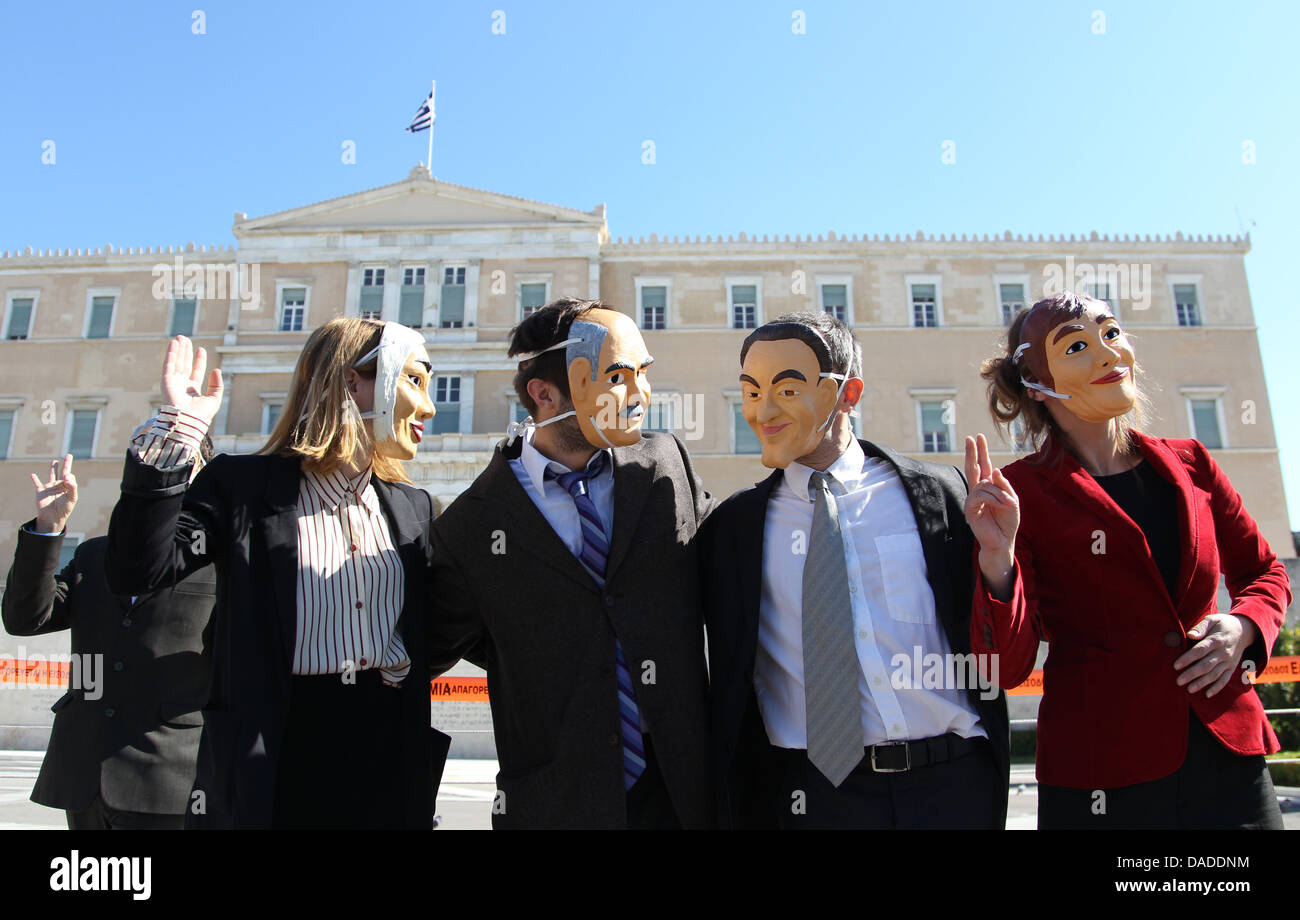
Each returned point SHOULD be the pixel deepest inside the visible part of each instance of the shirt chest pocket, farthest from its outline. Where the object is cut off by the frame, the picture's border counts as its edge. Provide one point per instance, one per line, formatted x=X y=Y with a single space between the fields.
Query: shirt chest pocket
x=908 y=597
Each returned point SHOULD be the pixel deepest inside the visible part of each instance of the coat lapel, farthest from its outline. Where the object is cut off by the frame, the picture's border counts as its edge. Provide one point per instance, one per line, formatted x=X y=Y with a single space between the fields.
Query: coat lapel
x=529 y=529
x=750 y=551
x=931 y=514
x=1164 y=462
x=279 y=528
x=633 y=476
x=406 y=538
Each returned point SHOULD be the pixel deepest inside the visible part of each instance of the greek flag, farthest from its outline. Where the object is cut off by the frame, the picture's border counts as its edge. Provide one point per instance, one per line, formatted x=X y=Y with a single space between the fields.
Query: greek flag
x=424 y=117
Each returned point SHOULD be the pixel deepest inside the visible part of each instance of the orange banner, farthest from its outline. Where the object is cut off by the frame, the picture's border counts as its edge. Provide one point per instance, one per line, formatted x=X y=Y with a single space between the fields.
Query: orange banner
x=1283 y=669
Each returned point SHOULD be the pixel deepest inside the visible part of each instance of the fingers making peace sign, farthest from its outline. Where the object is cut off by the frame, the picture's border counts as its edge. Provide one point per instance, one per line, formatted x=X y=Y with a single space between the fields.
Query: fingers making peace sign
x=56 y=497
x=992 y=507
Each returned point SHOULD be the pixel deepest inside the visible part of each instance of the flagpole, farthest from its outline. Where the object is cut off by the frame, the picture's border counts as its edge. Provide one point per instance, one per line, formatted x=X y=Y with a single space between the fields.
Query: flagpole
x=432 y=90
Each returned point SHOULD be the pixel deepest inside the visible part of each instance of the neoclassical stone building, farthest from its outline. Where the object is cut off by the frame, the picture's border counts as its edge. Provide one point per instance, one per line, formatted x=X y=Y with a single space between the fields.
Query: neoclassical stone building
x=84 y=331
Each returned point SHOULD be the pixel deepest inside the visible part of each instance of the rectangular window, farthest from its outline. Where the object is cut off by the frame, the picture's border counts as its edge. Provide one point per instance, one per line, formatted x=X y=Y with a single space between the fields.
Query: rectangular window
x=446 y=402
x=372 y=293
x=271 y=415
x=532 y=297
x=101 y=317
x=20 y=319
x=744 y=306
x=1187 y=305
x=654 y=307
x=835 y=301
x=451 y=303
x=658 y=416
x=411 y=311
x=68 y=549
x=1101 y=291
x=744 y=441
x=293 y=304
x=1205 y=419
x=81 y=438
x=1012 y=300
x=6 y=432
x=183 y=310
x=925 y=309
x=934 y=430
x=518 y=411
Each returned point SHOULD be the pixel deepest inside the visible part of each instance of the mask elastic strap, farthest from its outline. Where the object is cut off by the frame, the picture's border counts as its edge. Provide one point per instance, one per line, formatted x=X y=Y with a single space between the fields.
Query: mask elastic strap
x=515 y=429
x=529 y=355
x=1015 y=359
x=844 y=381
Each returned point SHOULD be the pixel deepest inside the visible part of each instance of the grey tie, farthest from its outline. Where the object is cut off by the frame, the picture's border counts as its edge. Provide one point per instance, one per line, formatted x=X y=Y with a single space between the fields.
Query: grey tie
x=830 y=658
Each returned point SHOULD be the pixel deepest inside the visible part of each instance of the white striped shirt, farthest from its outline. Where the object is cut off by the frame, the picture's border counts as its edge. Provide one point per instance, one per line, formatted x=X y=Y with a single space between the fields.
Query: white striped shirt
x=351 y=583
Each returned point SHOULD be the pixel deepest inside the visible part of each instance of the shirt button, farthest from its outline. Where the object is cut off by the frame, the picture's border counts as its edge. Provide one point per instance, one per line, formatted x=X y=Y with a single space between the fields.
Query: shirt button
x=363 y=662
x=358 y=605
x=853 y=589
x=609 y=600
x=1172 y=639
x=613 y=739
x=110 y=712
x=863 y=634
x=352 y=548
x=126 y=621
x=876 y=681
x=895 y=727
x=117 y=666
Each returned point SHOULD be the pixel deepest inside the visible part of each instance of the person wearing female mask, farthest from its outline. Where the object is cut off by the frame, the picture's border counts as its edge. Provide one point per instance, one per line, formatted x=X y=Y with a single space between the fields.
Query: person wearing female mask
x=319 y=709
x=842 y=570
x=567 y=570
x=1108 y=543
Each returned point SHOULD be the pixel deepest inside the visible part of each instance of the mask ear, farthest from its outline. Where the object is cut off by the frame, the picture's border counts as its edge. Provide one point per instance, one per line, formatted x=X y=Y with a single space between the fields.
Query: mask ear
x=827 y=387
x=580 y=381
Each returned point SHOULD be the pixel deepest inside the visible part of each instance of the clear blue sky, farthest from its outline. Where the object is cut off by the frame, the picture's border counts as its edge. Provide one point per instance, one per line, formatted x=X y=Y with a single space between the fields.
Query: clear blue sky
x=162 y=134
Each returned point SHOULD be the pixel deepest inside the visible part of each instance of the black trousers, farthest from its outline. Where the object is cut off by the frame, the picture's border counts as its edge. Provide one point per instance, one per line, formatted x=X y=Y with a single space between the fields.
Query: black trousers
x=340 y=766
x=1214 y=789
x=957 y=794
x=99 y=816
x=649 y=807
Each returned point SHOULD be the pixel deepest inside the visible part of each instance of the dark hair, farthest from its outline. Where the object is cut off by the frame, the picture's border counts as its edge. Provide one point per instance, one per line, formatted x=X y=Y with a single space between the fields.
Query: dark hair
x=1009 y=398
x=833 y=342
x=544 y=328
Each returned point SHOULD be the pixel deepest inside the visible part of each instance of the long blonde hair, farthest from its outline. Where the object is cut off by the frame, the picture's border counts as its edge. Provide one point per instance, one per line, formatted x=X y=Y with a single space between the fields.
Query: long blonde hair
x=316 y=424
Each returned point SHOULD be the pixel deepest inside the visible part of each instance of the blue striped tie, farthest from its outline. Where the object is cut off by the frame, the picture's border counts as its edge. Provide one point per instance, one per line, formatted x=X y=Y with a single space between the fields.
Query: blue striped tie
x=595 y=552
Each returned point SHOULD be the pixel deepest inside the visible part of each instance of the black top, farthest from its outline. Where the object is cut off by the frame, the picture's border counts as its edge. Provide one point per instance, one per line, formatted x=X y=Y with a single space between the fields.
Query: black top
x=1152 y=502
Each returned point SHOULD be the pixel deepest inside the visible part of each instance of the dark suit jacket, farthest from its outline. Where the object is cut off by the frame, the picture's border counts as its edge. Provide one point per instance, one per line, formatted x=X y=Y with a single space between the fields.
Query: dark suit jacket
x=239 y=516
x=732 y=556
x=530 y=614
x=1112 y=713
x=136 y=743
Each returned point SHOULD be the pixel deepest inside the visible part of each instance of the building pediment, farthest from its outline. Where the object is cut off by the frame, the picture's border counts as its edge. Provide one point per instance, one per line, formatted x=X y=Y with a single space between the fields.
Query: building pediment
x=417 y=203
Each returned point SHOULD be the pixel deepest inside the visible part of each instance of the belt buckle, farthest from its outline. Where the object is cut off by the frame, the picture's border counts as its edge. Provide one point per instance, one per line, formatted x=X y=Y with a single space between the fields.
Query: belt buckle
x=907 y=754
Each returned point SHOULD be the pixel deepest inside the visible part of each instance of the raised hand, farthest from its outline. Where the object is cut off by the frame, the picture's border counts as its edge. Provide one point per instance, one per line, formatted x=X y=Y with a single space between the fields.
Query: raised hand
x=55 y=498
x=993 y=513
x=182 y=380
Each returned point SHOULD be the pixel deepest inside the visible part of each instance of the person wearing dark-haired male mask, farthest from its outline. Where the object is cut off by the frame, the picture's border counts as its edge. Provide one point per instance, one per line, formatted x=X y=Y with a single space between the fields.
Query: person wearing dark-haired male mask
x=567 y=570
x=843 y=692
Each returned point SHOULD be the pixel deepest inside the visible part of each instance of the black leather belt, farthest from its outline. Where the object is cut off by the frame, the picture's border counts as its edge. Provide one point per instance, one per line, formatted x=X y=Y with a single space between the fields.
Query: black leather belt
x=902 y=756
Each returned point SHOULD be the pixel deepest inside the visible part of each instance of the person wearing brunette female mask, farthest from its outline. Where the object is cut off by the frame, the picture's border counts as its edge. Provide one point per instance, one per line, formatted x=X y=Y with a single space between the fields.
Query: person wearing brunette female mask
x=830 y=585
x=319 y=708
x=567 y=570
x=1108 y=543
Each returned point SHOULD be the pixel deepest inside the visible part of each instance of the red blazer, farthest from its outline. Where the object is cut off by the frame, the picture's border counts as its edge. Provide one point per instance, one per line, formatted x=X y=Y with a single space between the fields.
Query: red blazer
x=1112 y=714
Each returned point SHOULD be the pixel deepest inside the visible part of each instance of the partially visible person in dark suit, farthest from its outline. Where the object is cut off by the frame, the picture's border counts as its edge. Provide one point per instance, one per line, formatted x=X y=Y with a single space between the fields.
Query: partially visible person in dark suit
x=568 y=571
x=319 y=712
x=121 y=754
x=843 y=690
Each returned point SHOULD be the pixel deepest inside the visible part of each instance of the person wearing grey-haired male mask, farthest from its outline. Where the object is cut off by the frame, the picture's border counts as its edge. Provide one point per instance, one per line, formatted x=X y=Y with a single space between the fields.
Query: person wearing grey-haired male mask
x=567 y=570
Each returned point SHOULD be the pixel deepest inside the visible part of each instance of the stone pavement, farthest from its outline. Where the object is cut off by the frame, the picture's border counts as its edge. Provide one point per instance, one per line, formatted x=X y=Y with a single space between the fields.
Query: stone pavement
x=465 y=797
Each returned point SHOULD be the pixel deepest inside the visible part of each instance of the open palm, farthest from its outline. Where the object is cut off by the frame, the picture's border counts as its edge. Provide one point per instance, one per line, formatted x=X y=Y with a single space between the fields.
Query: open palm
x=182 y=380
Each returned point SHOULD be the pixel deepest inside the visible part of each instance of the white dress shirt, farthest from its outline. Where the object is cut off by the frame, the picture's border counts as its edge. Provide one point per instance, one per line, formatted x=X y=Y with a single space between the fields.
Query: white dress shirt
x=350 y=580
x=893 y=607
x=554 y=501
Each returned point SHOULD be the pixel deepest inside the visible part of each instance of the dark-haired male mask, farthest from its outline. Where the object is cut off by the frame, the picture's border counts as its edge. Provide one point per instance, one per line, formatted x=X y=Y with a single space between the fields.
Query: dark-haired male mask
x=786 y=399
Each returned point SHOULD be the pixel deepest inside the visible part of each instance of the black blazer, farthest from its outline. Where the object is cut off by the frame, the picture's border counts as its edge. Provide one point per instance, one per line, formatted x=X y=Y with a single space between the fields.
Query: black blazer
x=510 y=596
x=135 y=744
x=239 y=516
x=732 y=556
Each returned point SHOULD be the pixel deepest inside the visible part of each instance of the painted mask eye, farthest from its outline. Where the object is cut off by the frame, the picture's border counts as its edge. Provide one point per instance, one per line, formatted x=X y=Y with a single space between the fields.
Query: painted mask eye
x=1076 y=347
x=616 y=379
